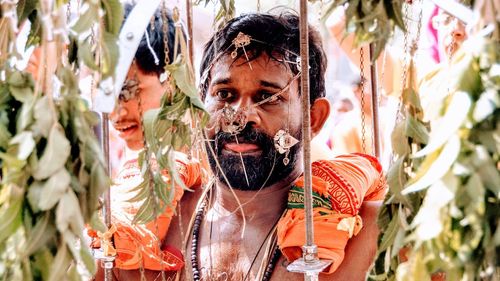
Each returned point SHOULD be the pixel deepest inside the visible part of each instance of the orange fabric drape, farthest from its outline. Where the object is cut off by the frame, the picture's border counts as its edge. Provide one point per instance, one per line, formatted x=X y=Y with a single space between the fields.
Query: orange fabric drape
x=139 y=244
x=346 y=182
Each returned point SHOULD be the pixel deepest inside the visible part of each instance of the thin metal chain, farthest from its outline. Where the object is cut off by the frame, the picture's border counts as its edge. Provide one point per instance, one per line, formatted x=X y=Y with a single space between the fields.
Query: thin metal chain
x=68 y=11
x=150 y=185
x=150 y=172
x=404 y=73
x=419 y=25
x=362 y=88
x=167 y=61
x=320 y=10
x=165 y=32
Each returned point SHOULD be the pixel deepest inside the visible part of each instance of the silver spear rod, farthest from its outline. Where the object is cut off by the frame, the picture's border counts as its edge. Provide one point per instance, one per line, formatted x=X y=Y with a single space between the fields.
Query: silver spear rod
x=309 y=264
x=375 y=94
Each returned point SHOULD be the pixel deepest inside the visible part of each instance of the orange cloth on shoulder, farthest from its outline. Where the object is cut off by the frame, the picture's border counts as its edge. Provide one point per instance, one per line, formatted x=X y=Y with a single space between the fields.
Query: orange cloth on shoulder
x=339 y=186
x=139 y=244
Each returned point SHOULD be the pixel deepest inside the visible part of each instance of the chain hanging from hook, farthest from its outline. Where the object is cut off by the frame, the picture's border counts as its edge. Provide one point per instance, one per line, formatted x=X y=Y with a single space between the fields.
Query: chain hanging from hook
x=362 y=89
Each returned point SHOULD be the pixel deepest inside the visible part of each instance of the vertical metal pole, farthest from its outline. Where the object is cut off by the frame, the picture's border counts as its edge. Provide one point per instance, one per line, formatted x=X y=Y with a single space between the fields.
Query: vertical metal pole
x=189 y=16
x=375 y=117
x=309 y=264
x=306 y=120
x=107 y=261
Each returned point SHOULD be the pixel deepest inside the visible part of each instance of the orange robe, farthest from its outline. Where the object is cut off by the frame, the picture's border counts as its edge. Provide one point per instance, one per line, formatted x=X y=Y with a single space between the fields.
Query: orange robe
x=339 y=186
x=139 y=244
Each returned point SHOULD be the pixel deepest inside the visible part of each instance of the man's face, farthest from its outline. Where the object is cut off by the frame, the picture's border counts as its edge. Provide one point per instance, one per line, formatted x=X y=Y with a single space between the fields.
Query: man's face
x=235 y=84
x=451 y=34
x=126 y=116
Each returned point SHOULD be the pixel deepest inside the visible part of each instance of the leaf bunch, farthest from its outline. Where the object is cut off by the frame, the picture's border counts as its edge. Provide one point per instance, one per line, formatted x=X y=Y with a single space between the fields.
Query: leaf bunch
x=52 y=174
x=442 y=211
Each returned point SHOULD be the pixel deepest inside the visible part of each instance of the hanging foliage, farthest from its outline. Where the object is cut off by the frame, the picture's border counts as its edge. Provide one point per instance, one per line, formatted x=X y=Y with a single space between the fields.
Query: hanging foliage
x=371 y=21
x=52 y=169
x=174 y=126
x=225 y=13
x=441 y=215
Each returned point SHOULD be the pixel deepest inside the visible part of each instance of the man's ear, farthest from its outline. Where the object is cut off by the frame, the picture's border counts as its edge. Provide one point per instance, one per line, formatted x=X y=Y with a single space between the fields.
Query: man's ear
x=320 y=111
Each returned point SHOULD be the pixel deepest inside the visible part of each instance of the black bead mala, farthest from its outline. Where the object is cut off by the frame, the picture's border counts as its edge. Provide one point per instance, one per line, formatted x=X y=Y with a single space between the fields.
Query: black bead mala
x=194 y=248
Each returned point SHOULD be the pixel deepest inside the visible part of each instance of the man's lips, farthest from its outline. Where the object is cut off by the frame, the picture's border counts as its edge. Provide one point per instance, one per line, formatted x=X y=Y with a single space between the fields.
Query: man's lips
x=125 y=129
x=242 y=147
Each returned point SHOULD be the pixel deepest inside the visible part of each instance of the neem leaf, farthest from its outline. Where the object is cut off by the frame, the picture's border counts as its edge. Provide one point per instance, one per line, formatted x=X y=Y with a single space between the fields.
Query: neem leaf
x=449 y=124
x=396 y=179
x=54 y=189
x=389 y=233
x=55 y=154
x=4 y=136
x=34 y=195
x=86 y=20
x=25 y=143
x=416 y=130
x=39 y=235
x=99 y=182
x=22 y=94
x=96 y=223
x=60 y=264
x=399 y=141
x=10 y=212
x=42 y=261
x=181 y=75
x=88 y=260
x=25 y=116
x=113 y=15
x=19 y=79
x=432 y=169
x=110 y=53
x=43 y=117
x=486 y=169
x=68 y=214
x=24 y=8
x=145 y=213
x=85 y=52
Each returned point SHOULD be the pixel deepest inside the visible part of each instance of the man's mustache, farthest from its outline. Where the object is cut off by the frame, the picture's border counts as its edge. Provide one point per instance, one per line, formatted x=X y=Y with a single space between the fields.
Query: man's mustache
x=247 y=135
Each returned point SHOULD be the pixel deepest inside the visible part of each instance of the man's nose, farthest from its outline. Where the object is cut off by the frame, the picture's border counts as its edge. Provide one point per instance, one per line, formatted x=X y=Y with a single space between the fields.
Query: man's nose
x=250 y=110
x=118 y=112
x=458 y=31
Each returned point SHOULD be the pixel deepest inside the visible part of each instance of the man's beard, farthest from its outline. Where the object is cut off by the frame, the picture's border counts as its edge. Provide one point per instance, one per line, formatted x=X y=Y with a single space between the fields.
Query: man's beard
x=262 y=170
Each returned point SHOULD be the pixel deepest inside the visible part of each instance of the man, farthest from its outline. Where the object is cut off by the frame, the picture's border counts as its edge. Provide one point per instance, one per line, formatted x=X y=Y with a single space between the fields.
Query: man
x=250 y=85
x=140 y=251
x=437 y=85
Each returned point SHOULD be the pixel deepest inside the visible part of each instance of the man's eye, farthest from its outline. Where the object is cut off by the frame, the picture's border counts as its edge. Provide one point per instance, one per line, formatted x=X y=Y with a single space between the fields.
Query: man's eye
x=269 y=98
x=224 y=95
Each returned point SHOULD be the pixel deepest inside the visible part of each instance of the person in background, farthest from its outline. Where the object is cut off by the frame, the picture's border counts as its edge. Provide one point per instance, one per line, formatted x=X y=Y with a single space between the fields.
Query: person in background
x=140 y=249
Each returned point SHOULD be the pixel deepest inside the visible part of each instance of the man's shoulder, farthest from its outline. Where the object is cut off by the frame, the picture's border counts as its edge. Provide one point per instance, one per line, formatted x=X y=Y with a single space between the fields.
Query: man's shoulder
x=185 y=209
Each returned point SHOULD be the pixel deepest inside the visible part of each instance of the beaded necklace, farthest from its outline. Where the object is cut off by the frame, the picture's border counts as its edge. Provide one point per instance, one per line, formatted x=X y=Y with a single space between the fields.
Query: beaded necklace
x=198 y=219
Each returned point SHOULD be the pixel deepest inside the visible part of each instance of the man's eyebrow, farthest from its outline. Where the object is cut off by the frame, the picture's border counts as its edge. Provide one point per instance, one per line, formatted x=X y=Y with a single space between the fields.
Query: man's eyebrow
x=271 y=85
x=223 y=80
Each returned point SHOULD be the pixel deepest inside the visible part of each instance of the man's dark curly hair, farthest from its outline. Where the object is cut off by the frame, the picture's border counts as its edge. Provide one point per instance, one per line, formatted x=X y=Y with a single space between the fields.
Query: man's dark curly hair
x=144 y=59
x=275 y=35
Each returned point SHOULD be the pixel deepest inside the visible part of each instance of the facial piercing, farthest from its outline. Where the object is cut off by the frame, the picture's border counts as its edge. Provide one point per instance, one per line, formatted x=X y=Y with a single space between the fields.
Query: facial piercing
x=231 y=121
x=283 y=141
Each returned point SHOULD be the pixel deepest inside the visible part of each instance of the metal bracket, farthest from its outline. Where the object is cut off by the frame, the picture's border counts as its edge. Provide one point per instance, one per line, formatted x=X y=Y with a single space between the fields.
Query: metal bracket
x=309 y=264
x=457 y=10
x=128 y=41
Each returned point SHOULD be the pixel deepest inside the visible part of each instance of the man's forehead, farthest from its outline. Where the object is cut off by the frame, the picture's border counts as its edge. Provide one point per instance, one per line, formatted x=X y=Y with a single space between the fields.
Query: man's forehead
x=226 y=63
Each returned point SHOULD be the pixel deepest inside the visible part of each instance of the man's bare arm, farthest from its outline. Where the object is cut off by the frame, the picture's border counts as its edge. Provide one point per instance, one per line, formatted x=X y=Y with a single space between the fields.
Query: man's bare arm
x=361 y=249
